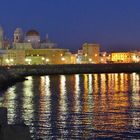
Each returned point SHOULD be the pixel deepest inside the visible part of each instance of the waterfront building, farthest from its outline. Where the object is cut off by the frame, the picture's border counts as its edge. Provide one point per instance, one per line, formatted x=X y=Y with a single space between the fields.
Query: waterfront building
x=73 y=58
x=2 y=53
x=47 y=56
x=36 y=57
x=124 y=57
x=13 y=57
x=91 y=53
x=80 y=58
x=103 y=57
x=31 y=51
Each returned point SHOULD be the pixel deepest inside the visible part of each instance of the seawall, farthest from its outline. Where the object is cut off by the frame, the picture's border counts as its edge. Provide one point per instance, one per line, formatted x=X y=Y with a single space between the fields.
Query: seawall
x=11 y=74
x=9 y=78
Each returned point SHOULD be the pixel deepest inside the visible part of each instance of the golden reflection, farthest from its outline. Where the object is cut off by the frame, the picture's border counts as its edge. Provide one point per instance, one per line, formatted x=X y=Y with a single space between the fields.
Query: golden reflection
x=90 y=91
x=42 y=85
x=77 y=93
x=45 y=93
x=101 y=102
x=63 y=94
x=28 y=100
x=111 y=105
x=77 y=105
x=116 y=79
x=85 y=97
x=87 y=103
x=122 y=82
x=103 y=84
x=85 y=84
x=135 y=82
x=95 y=91
x=62 y=105
x=96 y=84
x=103 y=93
x=47 y=82
x=10 y=102
x=135 y=100
x=44 y=104
x=110 y=83
x=90 y=79
x=126 y=82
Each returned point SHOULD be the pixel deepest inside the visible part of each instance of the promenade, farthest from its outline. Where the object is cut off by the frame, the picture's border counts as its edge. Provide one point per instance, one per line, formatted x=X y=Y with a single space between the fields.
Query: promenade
x=9 y=75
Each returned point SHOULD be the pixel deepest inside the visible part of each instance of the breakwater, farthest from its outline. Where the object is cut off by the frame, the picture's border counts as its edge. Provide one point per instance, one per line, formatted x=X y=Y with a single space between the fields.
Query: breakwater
x=12 y=132
x=9 y=78
x=12 y=74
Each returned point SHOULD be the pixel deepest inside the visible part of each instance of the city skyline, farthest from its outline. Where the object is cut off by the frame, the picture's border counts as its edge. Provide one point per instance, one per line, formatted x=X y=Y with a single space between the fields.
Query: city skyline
x=114 y=25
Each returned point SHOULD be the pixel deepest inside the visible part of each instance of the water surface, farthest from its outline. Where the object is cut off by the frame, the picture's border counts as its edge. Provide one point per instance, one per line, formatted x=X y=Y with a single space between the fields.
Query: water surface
x=88 y=106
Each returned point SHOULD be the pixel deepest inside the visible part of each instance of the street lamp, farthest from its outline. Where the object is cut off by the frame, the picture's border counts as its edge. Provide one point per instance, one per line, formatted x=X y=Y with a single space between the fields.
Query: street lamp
x=47 y=60
x=43 y=58
x=90 y=60
x=28 y=60
x=63 y=59
x=11 y=60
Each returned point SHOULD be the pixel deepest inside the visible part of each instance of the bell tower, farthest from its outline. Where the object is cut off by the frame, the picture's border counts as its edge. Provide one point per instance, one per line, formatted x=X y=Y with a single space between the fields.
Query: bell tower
x=1 y=34
x=1 y=37
x=18 y=35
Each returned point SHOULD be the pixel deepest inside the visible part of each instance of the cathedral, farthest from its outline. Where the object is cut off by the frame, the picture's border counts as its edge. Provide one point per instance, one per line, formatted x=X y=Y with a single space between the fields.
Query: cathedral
x=32 y=37
x=29 y=49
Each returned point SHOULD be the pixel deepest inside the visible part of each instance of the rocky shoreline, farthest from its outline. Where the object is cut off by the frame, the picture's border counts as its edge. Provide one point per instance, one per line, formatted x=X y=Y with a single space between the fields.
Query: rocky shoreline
x=9 y=78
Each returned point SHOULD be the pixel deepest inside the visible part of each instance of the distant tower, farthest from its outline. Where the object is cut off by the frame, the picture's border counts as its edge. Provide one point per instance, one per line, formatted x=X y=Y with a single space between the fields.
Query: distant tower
x=47 y=37
x=1 y=34
x=18 y=35
x=1 y=38
x=91 y=52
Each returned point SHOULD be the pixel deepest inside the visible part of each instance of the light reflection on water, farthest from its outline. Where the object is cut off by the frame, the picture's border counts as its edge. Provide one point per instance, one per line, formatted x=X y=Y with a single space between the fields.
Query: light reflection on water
x=87 y=106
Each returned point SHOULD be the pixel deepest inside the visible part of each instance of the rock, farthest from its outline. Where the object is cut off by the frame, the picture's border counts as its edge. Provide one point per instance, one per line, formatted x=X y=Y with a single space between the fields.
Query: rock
x=3 y=116
x=12 y=132
x=15 y=132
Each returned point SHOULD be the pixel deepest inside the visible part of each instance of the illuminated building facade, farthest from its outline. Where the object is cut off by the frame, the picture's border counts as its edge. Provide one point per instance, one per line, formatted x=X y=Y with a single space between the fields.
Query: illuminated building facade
x=36 y=57
x=13 y=57
x=80 y=57
x=104 y=57
x=124 y=57
x=47 y=56
x=91 y=53
x=30 y=50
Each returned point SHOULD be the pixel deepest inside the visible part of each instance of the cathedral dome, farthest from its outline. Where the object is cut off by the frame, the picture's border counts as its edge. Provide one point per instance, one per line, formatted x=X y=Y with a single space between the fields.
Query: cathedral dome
x=33 y=37
x=32 y=33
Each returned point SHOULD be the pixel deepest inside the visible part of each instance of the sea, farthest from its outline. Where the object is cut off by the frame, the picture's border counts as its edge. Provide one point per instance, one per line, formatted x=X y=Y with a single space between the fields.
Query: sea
x=80 y=106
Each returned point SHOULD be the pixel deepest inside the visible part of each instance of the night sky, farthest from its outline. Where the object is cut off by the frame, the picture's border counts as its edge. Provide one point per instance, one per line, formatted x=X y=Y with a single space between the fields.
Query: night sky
x=115 y=24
